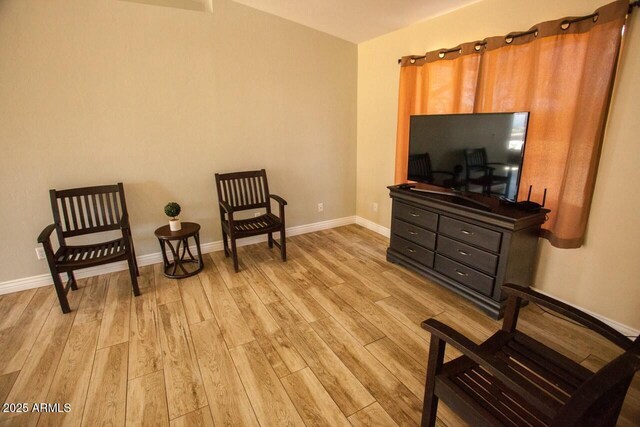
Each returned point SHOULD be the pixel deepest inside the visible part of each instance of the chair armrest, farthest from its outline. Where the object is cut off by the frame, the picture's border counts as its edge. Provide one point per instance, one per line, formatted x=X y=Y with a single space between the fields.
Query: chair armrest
x=490 y=363
x=570 y=312
x=278 y=199
x=227 y=207
x=45 y=235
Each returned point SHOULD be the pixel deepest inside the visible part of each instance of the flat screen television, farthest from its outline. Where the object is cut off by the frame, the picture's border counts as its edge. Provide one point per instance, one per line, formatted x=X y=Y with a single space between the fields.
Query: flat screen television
x=479 y=153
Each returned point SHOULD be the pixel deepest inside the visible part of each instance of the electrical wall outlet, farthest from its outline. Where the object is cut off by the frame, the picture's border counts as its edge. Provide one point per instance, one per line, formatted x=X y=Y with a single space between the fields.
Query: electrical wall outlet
x=40 y=253
x=320 y=207
x=375 y=206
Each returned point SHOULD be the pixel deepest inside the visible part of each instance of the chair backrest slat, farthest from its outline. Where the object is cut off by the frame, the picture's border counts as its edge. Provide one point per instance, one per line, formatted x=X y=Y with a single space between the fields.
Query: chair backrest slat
x=230 y=192
x=65 y=213
x=103 y=212
x=109 y=208
x=88 y=209
x=74 y=213
x=261 y=183
x=254 y=189
x=223 y=190
x=236 y=193
x=244 y=190
x=85 y=200
x=96 y=212
x=116 y=208
x=83 y=212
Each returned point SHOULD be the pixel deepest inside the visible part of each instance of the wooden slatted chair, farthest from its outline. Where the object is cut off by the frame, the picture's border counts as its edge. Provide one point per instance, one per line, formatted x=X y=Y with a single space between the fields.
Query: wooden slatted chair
x=476 y=162
x=81 y=211
x=241 y=191
x=513 y=380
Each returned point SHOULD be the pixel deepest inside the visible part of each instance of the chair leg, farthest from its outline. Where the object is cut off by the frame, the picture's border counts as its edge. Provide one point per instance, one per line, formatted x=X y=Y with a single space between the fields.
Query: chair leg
x=283 y=245
x=133 y=254
x=62 y=295
x=270 y=240
x=434 y=367
x=225 y=243
x=133 y=272
x=234 y=252
x=72 y=281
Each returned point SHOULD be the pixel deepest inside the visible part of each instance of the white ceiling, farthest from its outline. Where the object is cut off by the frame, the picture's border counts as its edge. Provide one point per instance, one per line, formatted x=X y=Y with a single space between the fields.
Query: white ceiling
x=356 y=20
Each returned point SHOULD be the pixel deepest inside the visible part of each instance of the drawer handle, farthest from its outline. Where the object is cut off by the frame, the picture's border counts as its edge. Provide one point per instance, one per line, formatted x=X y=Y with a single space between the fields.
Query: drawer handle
x=413 y=214
x=413 y=233
x=468 y=233
x=461 y=273
x=411 y=250
x=463 y=252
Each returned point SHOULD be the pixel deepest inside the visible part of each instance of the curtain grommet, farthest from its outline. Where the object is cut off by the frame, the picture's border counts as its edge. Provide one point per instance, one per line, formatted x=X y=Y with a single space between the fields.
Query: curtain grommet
x=477 y=47
x=595 y=17
x=535 y=33
x=441 y=55
x=564 y=25
x=508 y=39
x=412 y=60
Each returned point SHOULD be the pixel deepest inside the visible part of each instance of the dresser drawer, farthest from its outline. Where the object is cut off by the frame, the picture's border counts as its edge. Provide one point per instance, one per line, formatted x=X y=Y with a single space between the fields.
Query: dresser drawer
x=413 y=251
x=414 y=234
x=467 y=276
x=416 y=216
x=476 y=258
x=472 y=234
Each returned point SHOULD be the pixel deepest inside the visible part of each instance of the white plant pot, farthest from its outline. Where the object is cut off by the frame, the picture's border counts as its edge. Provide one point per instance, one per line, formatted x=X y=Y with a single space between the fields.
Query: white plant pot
x=174 y=225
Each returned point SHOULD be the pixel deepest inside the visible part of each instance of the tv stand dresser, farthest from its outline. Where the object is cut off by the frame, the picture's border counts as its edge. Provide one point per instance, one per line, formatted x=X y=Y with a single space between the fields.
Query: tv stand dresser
x=471 y=244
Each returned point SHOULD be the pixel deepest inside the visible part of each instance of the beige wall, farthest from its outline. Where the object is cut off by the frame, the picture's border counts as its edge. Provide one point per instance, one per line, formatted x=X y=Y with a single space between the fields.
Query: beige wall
x=97 y=91
x=602 y=276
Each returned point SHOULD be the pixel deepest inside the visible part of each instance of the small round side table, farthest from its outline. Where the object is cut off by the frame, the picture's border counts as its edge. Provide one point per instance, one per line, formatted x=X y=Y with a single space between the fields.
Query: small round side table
x=188 y=265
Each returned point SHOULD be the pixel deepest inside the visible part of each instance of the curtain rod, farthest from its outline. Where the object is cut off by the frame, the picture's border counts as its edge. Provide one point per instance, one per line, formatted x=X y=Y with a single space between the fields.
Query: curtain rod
x=511 y=36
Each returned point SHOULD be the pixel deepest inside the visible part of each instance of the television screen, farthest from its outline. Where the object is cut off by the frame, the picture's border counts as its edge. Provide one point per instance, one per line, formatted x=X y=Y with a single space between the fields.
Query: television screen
x=480 y=153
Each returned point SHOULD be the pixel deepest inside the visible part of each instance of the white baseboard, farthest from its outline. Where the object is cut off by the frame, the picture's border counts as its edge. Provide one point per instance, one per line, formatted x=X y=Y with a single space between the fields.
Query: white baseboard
x=154 y=258
x=373 y=226
x=620 y=327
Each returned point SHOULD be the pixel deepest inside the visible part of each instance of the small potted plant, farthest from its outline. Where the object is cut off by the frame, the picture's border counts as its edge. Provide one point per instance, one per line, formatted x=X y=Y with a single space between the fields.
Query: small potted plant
x=172 y=210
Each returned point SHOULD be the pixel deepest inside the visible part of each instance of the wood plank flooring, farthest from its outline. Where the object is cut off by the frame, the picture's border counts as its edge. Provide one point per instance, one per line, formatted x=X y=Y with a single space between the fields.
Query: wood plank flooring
x=331 y=337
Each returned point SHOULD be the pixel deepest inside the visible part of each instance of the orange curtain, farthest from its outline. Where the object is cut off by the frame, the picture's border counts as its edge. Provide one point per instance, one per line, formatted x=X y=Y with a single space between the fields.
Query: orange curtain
x=562 y=73
x=434 y=87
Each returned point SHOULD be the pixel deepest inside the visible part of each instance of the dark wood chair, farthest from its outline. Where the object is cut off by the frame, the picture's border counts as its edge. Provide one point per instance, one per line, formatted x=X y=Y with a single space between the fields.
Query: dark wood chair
x=81 y=211
x=240 y=191
x=482 y=173
x=513 y=380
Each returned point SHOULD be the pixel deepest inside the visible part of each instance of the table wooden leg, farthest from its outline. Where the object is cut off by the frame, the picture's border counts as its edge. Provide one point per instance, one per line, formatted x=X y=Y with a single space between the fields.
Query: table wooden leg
x=189 y=250
x=163 y=249
x=196 y=237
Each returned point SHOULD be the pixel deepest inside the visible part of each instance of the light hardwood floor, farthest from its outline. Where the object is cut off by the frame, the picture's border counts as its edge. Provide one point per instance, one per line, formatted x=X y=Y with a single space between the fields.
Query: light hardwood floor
x=331 y=337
